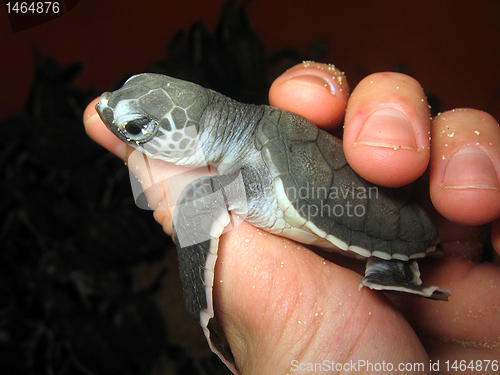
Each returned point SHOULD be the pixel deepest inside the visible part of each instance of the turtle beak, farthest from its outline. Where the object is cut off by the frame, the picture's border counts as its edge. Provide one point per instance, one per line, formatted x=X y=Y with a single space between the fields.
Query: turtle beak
x=103 y=102
x=104 y=111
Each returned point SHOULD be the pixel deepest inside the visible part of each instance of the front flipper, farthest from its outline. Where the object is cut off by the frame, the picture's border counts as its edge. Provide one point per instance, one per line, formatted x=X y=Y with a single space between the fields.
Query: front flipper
x=200 y=216
x=401 y=277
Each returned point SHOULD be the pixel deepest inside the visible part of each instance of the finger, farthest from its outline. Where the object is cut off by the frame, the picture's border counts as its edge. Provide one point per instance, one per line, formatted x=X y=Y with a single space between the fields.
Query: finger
x=316 y=91
x=465 y=166
x=387 y=128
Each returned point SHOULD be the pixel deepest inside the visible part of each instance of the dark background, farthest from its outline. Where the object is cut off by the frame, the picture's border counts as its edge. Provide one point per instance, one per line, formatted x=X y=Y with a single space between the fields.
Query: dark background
x=452 y=47
x=88 y=282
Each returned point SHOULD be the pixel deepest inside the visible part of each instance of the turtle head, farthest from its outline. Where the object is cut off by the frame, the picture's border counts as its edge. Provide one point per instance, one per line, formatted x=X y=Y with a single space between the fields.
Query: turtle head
x=156 y=114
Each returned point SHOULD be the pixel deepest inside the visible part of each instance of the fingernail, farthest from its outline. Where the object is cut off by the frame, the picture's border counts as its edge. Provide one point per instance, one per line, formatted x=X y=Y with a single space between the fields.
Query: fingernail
x=387 y=127
x=313 y=74
x=470 y=167
x=87 y=119
x=312 y=80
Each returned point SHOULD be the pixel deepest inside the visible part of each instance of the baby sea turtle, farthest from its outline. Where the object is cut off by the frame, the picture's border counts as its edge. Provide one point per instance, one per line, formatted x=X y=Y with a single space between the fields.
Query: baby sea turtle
x=277 y=170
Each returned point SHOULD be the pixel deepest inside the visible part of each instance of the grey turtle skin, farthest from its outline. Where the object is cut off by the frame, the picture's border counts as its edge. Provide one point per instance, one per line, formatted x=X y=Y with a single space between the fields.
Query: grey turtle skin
x=278 y=171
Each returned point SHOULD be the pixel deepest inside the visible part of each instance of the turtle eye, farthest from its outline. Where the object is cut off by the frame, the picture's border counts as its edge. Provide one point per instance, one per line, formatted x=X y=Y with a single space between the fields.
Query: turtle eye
x=135 y=127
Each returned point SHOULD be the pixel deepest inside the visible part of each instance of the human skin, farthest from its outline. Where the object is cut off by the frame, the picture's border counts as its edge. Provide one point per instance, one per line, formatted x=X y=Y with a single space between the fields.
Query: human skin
x=279 y=302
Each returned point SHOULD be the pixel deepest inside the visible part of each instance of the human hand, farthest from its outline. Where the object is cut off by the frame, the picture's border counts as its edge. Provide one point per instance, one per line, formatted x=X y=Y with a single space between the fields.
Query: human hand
x=280 y=303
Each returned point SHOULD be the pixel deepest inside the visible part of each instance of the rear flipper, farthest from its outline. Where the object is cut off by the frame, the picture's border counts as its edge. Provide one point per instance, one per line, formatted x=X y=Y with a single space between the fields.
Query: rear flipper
x=400 y=277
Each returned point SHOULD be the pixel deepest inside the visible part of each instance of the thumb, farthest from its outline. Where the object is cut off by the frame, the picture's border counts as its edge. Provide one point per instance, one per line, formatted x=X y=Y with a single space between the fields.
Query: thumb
x=282 y=305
